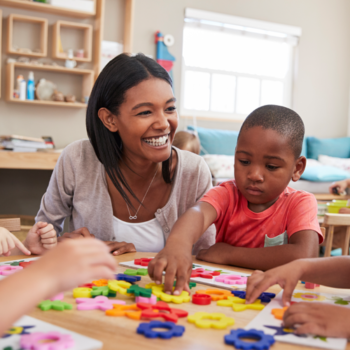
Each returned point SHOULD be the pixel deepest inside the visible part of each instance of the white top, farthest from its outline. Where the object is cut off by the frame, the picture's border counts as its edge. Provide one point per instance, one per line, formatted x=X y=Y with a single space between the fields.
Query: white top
x=146 y=236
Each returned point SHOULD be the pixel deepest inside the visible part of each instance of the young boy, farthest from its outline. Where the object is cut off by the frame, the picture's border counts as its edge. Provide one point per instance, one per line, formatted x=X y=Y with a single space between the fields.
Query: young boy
x=187 y=141
x=313 y=318
x=256 y=210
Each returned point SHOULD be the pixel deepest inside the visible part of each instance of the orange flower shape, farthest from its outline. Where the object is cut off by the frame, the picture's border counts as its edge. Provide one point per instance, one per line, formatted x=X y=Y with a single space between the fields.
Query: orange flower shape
x=100 y=283
x=215 y=294
x=131 y=311
x=278 y=313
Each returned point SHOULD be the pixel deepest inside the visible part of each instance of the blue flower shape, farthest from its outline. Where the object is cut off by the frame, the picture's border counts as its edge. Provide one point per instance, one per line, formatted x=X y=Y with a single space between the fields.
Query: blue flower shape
x=172 y=330
x=126 y=278
x=264 y=297
x=264 y=341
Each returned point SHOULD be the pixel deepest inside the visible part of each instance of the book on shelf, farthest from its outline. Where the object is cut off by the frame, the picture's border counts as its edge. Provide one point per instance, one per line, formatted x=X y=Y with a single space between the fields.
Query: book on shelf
x=18 y=143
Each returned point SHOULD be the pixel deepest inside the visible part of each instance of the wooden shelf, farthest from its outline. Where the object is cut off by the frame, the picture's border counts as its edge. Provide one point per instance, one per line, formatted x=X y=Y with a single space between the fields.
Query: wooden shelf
x=28 y=160
x=47 y=8
x=87 y=74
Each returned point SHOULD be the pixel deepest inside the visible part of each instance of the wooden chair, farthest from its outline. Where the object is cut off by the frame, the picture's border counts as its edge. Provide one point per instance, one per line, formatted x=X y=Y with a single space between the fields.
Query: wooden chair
x=13 y=224
x=330 y=221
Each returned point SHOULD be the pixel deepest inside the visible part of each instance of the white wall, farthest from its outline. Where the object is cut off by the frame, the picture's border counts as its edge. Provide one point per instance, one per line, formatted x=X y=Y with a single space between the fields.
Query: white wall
x=321 y=87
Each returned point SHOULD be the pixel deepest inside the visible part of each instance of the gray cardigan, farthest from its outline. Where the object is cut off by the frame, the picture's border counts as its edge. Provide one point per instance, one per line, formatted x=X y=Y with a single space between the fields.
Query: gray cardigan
x=78 y=190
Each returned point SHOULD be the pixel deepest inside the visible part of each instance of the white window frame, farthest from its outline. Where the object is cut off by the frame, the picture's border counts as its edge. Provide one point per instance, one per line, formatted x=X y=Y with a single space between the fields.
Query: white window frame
x=290 y=32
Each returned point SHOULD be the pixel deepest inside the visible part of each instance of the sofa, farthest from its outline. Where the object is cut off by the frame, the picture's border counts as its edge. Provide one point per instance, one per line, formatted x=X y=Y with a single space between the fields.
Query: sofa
x=328 y=160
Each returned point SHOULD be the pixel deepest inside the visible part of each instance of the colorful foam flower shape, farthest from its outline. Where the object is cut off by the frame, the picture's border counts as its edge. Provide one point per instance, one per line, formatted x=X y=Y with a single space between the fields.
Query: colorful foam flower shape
x=309 y=296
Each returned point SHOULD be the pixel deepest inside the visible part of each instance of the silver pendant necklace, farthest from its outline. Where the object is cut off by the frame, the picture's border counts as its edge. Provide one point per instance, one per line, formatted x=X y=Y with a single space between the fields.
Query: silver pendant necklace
x=134 y=217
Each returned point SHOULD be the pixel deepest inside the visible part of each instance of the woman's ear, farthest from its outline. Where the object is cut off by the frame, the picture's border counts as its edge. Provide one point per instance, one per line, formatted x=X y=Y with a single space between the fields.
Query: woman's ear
x=299 y=168
x=108 y=119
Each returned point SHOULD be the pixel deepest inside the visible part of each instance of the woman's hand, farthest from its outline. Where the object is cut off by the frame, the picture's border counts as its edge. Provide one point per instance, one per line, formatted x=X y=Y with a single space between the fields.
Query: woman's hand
x=119 y=248
x=287 y=276
x=82 y=232
x=319 y=319
x=176 y=262
x=8 y=242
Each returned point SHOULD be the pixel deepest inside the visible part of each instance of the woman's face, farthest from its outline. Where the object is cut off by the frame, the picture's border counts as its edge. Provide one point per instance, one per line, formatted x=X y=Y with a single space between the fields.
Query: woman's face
x=147 y=120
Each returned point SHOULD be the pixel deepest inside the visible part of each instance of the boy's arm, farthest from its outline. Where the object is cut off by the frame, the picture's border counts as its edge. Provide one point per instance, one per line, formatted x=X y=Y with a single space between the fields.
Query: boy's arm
x=302 y=244
x=176 y=258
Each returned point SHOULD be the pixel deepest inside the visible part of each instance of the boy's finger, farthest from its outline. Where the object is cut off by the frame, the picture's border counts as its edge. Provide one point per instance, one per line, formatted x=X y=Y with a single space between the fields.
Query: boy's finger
x=48 y=241
x=38 y=225
x=310 y=328
x=287 y=293
x=181 y=282
x=159 y=267
x=5 y=247
x=45 y=229
x=169 y=280
x=259 y=288
x=49 y=234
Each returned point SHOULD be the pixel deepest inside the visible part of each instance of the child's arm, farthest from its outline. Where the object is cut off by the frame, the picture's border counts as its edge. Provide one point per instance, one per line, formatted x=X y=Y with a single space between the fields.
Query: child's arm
x=321 y=271
x=176 y=257
x=302 y=244
x=341 y=186
x=84 y=260
x=9 y=242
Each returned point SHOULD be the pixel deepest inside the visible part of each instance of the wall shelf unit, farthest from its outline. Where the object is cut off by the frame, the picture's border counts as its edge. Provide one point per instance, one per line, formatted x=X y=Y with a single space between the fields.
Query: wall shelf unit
x=47 y=8
x=43 y=34
x=57 y=40
x=87 y=83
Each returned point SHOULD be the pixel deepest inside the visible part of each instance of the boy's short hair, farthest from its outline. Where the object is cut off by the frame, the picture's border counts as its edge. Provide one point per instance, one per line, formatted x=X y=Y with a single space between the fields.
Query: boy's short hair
x=281 y=119
x=187 y=140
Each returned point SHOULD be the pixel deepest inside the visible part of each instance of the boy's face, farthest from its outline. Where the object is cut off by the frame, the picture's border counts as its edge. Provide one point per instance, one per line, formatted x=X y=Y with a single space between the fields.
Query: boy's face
x=264 y=165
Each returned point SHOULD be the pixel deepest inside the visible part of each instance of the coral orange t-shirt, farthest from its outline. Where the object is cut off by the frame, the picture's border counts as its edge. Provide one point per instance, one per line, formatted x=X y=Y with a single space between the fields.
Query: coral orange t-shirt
x=237 y=225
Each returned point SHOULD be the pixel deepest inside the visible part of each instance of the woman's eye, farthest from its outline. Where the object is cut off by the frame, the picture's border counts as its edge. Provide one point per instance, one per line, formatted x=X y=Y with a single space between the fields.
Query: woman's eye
x=171 y=109
x=244 y=162
x=144 y=113
x=271 y=167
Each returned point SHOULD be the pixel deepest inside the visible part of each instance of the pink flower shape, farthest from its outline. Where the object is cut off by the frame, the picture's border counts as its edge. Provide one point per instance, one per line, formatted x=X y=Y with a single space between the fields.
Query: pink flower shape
x=34 y=341
x=152 y=300
x=59 y=296
x=98 y=303
x=6 y=270
x=231 y=279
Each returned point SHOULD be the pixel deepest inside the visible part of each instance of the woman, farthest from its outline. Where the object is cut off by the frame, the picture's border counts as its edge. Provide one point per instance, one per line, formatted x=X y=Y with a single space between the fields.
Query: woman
x=127 y=185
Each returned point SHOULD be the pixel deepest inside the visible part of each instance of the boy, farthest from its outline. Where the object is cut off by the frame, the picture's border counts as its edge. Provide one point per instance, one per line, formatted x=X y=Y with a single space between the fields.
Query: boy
x=312 y=318
x=187 y=141
x=256 y=210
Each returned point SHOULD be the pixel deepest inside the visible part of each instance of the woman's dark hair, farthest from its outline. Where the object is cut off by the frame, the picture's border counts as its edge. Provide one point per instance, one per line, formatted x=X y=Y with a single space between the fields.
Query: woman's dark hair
x=120 y=74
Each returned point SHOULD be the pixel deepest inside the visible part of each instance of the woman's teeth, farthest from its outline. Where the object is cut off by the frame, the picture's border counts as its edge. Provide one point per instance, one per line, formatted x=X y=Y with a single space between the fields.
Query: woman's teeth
x=157 y=141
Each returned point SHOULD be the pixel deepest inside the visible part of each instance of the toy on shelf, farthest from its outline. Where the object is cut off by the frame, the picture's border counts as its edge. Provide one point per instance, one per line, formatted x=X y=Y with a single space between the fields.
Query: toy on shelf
x=201 y=299
x=98 y=303
x=278 y=313
x=82 y=292
x=119 y=286
x=264 y=297
x=164 y=57
x=211 y=320
x=139 y=291
x=131 y=272
x=172 y=330
x=57 y=305
x=238 y=304
x=231 y=279
x=46 y=341
x=142 y=261
x=264 y=341
x=216 y=294
x=127 y=278
x=161 y=309
x=200 y=272
x=130 y=311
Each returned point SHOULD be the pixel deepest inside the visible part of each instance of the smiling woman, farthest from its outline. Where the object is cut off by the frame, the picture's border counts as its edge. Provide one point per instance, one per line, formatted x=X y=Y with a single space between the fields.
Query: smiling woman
x=127 y=185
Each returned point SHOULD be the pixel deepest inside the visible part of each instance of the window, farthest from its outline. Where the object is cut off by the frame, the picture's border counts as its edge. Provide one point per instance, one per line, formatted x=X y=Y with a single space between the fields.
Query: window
x=232 y=65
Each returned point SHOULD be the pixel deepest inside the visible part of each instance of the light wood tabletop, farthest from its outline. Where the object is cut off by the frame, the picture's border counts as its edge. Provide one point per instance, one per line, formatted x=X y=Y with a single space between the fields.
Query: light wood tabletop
x=120 y=332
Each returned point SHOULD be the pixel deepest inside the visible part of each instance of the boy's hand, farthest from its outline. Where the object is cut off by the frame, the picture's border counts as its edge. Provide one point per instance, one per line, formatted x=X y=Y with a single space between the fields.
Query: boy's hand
x=319 y=319
x=176 y=262
x=41 y=237
x=119 y=248
x=8 y=242
x=79 y=261
x=216 y=254
x=82 y=232
x=287 y=276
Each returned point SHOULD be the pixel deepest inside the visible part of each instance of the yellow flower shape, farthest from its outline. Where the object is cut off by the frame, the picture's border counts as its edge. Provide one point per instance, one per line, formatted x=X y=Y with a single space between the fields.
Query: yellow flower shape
x=309 y=296
x=211 y=320
x=238 y=304
x=158 y=291
x=119 y=286
x=82 y=292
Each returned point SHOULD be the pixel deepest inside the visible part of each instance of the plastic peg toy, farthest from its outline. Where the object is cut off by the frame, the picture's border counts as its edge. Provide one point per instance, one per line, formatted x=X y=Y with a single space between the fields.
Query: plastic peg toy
x=200 y=272
x=158 y=291
x=138 y=272
x=309 y=285
x=82 y=292
x=7 y=270
x=59 y=296
x=100 y=283
x=161 y=309
x=152 y=300
x=46 y=341
x=119 y=286
x=15 y=263
x=25 y=264
x=105 y=291
x=172 y=330
x=142 y=261
x=264 y=297
x=130 y=279
x=211 y=320
x=130 y=311
x=238 y=304
x=216 y=294
x=231 y=279
x=87 y=285
x=201 y=299
x=57 y=305
x=264 y=341
x=279 y=313
x=139 y=291
x=98 y=303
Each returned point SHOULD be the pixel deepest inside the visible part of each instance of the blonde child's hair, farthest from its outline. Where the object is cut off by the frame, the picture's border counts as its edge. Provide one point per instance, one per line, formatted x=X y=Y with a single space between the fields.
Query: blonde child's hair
x=188 y=141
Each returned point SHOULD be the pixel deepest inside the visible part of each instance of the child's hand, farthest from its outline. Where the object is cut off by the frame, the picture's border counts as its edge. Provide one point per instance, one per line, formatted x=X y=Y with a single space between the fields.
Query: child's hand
x=319 y=319
x=74 y=262
x=119 y=248
x=287 y=276
x=41 y=237
x=216 y=254
x=177 y=263
x=82 y=232
x=8 y=242
x=339 y=186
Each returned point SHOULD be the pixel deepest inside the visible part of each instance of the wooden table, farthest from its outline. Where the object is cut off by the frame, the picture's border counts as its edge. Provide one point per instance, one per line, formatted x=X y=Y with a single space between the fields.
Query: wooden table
x=120 y=332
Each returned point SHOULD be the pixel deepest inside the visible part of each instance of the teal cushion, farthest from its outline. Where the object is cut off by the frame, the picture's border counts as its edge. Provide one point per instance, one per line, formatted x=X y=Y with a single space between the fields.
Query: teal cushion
x=324 y=173
x=329 y=147
x=214 y=141
x=304 y=149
